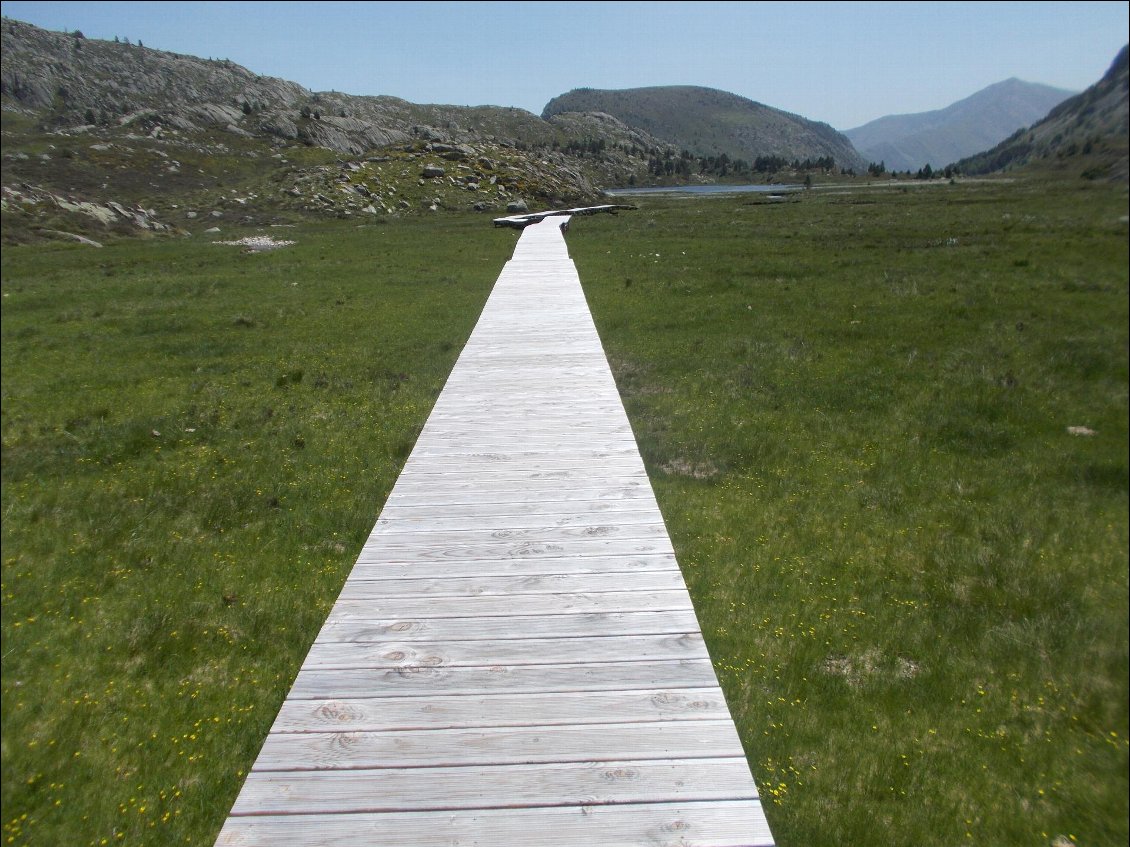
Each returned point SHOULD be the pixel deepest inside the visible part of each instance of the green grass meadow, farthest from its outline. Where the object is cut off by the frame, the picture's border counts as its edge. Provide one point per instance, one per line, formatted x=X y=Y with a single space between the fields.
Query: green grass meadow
x=911 y=576
x=855 y=410
x=196 y=442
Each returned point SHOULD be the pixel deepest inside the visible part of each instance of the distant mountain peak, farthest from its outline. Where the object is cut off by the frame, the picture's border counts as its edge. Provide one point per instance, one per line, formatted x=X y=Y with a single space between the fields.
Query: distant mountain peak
x=1089 y=131
x=909 y=142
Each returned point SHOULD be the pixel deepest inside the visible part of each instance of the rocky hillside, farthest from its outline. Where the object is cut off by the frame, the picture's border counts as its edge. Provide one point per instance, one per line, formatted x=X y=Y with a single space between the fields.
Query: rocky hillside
x=938 y=138
x=92 y=127
x=708 y=122
x=1089 y=133
x=66 y=81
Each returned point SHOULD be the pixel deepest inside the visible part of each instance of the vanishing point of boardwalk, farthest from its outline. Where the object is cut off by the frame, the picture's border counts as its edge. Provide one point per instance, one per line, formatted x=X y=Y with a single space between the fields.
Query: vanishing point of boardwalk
x=514 y=659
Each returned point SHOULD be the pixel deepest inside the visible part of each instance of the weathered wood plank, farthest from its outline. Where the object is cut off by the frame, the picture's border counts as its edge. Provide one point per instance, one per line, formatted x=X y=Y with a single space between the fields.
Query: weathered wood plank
x=460 y=469
x=487 y=519
x=371 y=627
x=390 y=538
x=479 y=546
x=519 y=604
x=495 y=786
x=579 y=443
x=497 y=746
x=505 y=489
x=519 y=549
x=358 y=588
x=508 y=477
x=461 y=568
x=730 y=823
x=513 y=495
x=436 y=458
x=312 y=684
x=574 y=418
x=554 y=456
x=444 y=711
x=555 y=512
x=512 y=652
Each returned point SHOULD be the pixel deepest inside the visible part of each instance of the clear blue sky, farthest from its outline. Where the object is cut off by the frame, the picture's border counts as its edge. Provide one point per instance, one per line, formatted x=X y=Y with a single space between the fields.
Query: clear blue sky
x=842 y=63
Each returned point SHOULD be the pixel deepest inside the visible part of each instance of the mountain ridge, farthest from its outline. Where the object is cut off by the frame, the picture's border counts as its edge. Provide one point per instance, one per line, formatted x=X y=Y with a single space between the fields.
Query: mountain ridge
x=1092 y=128
x=711 y=122
x=908 y=142
x=130 y=138
x=68 y=81
x=137 y=138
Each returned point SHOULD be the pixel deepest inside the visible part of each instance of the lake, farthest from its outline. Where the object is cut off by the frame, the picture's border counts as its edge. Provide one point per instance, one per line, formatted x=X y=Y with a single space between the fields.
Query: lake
x=713 y=188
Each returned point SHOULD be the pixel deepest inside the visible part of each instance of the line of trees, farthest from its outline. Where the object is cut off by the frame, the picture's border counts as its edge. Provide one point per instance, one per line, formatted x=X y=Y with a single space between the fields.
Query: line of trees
x=722 y=165
x=580 y=146
x=926 y=172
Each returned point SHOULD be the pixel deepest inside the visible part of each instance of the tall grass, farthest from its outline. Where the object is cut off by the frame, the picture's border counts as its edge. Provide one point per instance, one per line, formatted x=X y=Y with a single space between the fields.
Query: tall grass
x=911 y=574
x=196 y=441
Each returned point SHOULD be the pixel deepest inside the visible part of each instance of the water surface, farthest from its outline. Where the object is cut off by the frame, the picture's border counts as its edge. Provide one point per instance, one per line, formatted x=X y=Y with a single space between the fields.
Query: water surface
x=709 y=189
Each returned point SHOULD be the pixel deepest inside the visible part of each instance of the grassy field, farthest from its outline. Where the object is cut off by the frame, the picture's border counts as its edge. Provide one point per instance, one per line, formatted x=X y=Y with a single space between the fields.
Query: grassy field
x=855 y=410
x=196 y=442
x=911 y=575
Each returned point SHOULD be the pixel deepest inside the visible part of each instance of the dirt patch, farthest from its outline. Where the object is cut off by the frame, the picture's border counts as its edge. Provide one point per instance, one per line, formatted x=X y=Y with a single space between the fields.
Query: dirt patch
x=857 y=670
x=694 y=470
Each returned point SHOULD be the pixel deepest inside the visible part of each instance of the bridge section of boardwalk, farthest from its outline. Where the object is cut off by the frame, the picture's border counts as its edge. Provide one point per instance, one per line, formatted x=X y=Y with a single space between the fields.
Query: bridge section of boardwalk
x=514 y=659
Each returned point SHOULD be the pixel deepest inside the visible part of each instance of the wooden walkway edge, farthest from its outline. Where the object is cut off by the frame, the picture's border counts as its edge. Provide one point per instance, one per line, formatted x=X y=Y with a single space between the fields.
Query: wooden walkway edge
x=514 y=659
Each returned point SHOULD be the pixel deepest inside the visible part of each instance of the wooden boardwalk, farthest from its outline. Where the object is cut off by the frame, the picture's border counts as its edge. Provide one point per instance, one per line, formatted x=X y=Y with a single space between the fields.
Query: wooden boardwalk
x=514 y=659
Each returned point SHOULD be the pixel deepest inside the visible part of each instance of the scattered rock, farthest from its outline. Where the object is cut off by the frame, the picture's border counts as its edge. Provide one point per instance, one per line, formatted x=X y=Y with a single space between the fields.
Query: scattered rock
x=432 y=171
x=257 y=243
x=518 y=206
x=103 y=214
x=216 y=114
x=81 y=239
x=279 y=125
x=456 y=151
x=110 y=212
x=1081 y=430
